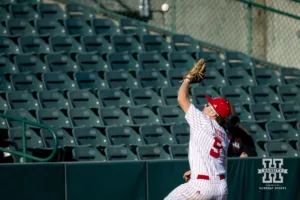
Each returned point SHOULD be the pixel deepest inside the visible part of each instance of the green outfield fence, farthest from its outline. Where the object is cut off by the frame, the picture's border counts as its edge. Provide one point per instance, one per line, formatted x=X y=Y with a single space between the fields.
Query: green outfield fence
x=268 y=30
x=140 y=180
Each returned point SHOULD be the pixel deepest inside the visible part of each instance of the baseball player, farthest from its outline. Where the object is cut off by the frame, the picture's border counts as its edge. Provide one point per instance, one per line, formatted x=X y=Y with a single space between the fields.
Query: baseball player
x=207 y=146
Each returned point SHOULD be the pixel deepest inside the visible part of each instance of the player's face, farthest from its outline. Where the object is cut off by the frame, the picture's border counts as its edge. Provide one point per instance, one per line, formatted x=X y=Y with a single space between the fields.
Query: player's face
x=209 y=111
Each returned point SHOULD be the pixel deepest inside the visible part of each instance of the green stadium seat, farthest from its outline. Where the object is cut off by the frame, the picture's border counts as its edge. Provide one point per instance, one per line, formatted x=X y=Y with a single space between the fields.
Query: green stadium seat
x=30 y=63
x=30 y=2
x=238 y=60
x=264 y=112
x=78 y=11
x=198 y=94
x=257 y=132
x=126 y=43
x=260 y=150
x=90 y=136
x=152 y=79
x=120 y=79
x=266 y=77
x=3 y=104
x=65 y=144
x=33 y=140
x=33 y=44
x=288 y=93
x=61 y=63
x=279 y=149
x=4 y=15
x=19 y=27
x=185 y=43
x=216 y=62
x=298 y=146
x=116 y=153
x=105 y=27
x=290 y=111
x=22 y=99
x=91 y=62
x=235 y=95
x=23 y=11
x=20 y=113
x=279 y=130
x=213 y=78
x=150 y=60
x=123 y=136
x=78 y=27
x=181 y=133
x=3 y=124
x=122 y=61
x=291 y=76
x=145 y=97
x=26 y=82
x=66 y=44
x=181 y=60
x=51 y=11
x=87 y=154
x=171 y=115
x=49 y=27
x=83 y=99
x=175 y=76
x=151 y=152
x=143 y=115
x=6 y=2
x=243 y=113
x=53 y=99
x=89 y=80
x=156 y=43
x=113 y=117
x=239 y=77
x=7 y=66
x=179 y=151
x=53 y=117
x=169 y=95
x=156 y=135
x=84 y=117
x=263 y=94
x=132 y=27
x=96 y=43
x=114 y=98
x=58 y=81
x=7 y=46
x=5 y=84
x=64 y=138
x=3 y=30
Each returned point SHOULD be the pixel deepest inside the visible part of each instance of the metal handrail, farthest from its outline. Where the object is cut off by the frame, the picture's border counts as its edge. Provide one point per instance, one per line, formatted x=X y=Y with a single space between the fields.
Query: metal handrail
x=23 y=154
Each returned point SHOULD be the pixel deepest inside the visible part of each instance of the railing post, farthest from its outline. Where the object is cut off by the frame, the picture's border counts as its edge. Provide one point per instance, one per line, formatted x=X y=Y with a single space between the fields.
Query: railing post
x=24 y=140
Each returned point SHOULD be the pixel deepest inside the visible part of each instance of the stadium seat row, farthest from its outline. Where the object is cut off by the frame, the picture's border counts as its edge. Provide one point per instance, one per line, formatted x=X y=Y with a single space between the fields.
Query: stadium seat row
x=160 y=142
x=138 y=115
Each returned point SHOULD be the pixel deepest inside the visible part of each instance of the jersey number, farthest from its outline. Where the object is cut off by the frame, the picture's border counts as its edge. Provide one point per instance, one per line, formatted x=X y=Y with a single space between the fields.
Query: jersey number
x=215 y=152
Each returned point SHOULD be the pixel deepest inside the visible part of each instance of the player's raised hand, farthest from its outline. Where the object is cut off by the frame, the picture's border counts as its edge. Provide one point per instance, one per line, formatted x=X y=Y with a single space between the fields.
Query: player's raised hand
x=187 y=176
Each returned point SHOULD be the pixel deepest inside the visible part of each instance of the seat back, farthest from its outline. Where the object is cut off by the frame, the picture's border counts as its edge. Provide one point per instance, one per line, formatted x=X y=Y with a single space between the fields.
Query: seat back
x=181 y=133
x=22 y=99
x=83 y=99
x=123 y=135
x=156 y=134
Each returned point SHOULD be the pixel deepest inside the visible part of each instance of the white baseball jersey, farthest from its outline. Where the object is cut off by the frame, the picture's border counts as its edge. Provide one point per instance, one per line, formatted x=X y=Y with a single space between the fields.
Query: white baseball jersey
x=207 y=156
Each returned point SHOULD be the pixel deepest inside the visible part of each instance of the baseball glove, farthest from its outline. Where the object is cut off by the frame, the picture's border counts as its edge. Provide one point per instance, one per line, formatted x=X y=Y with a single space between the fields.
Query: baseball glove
x=196 y=74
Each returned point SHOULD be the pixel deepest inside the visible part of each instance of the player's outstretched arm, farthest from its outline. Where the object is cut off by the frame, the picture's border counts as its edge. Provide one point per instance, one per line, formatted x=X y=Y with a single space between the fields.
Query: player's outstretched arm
x=183 y=95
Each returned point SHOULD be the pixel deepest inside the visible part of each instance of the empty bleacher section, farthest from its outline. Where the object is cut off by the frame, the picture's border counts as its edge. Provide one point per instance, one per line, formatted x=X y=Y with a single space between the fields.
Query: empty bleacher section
x=110 y=93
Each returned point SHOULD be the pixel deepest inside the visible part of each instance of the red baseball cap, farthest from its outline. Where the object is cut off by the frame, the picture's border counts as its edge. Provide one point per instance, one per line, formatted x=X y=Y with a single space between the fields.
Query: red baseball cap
x=220 y=105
